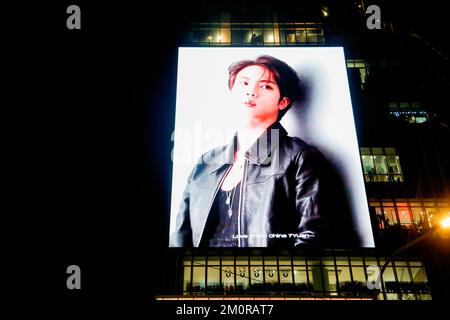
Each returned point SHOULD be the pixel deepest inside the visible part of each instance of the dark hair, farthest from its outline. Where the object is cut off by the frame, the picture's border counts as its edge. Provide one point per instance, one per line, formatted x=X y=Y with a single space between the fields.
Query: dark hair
x=286 y=78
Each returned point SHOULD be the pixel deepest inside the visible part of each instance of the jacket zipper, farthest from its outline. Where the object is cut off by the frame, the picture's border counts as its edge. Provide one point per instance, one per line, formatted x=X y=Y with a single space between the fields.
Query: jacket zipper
x=241 y=201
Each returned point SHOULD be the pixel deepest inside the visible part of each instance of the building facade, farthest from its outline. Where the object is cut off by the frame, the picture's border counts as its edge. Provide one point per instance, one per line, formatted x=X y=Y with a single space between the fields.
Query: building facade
x=398 y=86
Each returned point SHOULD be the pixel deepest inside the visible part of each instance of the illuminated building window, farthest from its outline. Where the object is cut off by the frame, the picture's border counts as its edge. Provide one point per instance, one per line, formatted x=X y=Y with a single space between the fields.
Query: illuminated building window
x=326 y=276
x=411 y=112
x=408 y=213
x=254 y=34
x=381 y=165
x=362 y=67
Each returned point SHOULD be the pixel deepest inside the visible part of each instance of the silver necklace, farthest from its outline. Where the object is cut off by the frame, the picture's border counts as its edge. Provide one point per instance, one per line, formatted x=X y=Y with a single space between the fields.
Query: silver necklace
x=229 y=201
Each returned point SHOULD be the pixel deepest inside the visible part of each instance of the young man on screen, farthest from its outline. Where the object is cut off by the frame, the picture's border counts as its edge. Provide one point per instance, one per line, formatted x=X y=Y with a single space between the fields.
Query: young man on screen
x=264 y=188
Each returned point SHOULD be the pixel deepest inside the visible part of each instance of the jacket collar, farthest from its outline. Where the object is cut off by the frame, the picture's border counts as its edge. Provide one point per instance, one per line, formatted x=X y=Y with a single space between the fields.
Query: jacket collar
x=261 y=150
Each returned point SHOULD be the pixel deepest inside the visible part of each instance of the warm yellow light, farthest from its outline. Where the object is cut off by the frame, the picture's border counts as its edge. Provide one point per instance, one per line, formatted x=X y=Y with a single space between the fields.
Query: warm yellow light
x=445 y=223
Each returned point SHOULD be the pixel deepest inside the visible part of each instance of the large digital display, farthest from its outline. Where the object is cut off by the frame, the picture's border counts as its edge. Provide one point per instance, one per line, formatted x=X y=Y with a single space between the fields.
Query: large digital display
x=265 y=151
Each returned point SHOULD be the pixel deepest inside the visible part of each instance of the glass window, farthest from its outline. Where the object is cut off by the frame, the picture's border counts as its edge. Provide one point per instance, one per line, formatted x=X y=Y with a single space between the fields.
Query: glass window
x=290 y=36
x=390 y=216
x=225 y=36
x=301 y=279
x=382 y=223
x=392 y=296
x=256 y=260
x=187 y=279
x=254 y=34
x=319 y=279
x=363 y=75
x=404 y=216
x=432 y=214
x=421 y=119
x=257 y=36
x=383 y=165
x=388 y=276
x=228 y=261
x=368 y=164
x=359 y=278
x=271 y=275
x=377 y=150
x=285 y=274
x=270 y=261
x=313 y=261
x=236 y=36
x=299 y=260
x=187 y=261
x=256 y=274
x=328 y=261
x=247 y=35
x=213 y=261
x=412 y=216
x=342 y=261
x=256 y=278
x=331 y=285
x=405 y=105
x=198 y=279
x=214 y=279
x=204 y=36
x=228 y=278
x=356 y=261
x=268 y=37
x=300 y=36
x=380 y=164
x=405 y=283
x=390 y=151
x=419 y=217
x=320 y=36
x=393 y=164
x=199 y=261
x=216 y=36
x=345 y=280
x=402 y=272
x=418 y=274
x=284 y=261
x=242 y=278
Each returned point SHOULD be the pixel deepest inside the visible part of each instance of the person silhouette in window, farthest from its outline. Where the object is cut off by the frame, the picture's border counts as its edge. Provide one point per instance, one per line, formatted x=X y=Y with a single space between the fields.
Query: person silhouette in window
x=253 y=39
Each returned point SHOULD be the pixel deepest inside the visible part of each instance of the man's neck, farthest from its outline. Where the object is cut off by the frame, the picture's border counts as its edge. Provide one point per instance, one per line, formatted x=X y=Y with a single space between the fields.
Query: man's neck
x=248 y=134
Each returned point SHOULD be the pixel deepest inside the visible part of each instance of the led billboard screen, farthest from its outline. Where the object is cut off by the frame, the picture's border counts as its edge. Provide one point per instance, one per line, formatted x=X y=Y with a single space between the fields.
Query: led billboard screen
x=265 y=151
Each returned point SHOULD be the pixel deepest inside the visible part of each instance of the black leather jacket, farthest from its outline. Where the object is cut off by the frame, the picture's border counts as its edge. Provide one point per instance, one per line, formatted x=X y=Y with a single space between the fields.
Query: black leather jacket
x=281 y=199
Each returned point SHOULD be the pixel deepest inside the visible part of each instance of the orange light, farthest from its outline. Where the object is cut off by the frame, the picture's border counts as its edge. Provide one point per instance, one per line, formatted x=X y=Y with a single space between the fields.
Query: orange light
x=445 y=223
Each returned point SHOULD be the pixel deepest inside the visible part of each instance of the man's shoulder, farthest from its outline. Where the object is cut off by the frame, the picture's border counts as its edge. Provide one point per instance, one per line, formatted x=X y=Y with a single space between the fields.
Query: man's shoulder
x=297 y=145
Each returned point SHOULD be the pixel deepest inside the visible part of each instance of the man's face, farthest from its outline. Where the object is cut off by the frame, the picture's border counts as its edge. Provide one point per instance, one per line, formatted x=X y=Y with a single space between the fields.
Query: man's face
x=256 y=94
